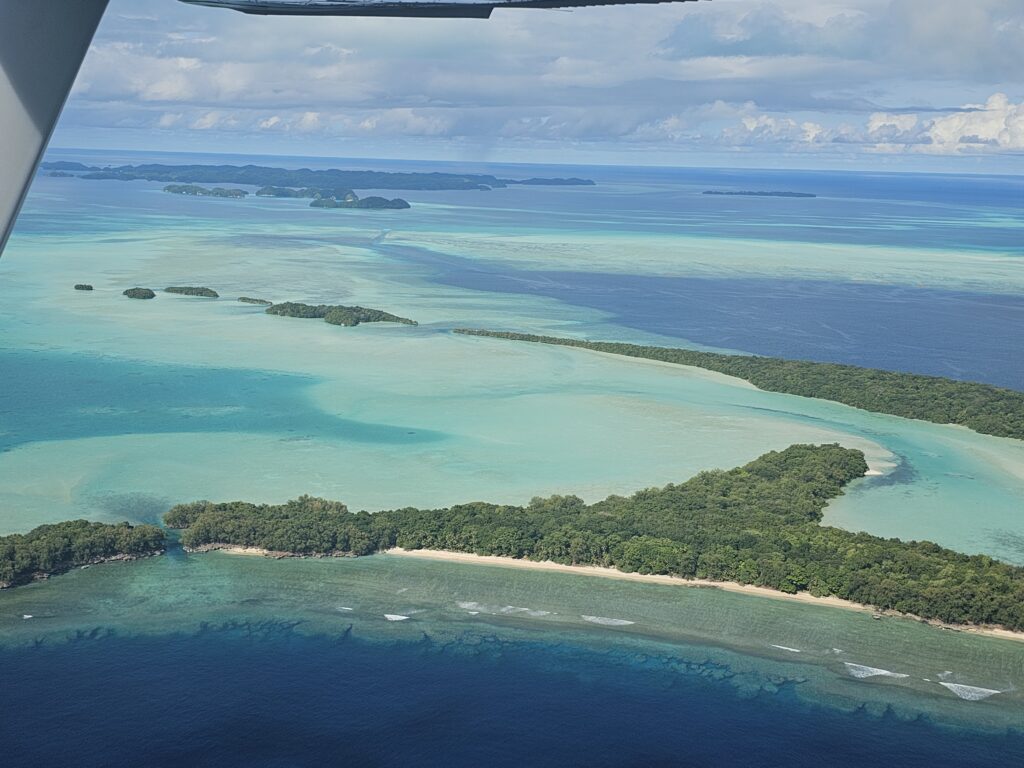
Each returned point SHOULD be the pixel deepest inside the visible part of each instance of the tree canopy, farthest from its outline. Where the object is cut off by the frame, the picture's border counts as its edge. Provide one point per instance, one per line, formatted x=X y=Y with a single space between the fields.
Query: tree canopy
x=757 y=524
x=54 y=548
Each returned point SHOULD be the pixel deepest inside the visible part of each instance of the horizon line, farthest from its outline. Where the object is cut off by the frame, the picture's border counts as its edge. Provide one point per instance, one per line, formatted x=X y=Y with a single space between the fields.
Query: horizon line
x=662 y=166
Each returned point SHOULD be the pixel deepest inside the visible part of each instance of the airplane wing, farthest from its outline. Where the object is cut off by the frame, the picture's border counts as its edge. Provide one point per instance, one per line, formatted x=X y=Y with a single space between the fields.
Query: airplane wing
x=452 y=9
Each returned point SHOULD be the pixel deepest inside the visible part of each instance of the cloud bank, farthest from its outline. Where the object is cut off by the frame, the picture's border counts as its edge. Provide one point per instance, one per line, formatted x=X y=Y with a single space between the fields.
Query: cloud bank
x=800 y=78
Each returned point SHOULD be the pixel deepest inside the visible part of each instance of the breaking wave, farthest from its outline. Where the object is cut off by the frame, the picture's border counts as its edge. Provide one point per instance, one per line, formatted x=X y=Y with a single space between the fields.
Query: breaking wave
x=970 y=692
x=505 y=610
x=861 y=671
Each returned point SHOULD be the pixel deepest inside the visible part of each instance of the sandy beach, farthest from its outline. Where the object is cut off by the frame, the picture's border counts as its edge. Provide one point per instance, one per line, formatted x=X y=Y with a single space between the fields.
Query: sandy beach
x=467 y=558
x=728 y=586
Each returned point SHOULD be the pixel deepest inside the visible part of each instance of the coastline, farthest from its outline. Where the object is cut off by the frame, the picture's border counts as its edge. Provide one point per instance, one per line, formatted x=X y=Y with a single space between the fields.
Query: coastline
x=63 y=568
x=235 y=549
x=727 y=586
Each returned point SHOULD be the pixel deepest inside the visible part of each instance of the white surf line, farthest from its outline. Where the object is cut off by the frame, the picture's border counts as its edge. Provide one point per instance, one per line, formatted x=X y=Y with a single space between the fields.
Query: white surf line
x=970 y=692
x=861 y=671
x=506 y=610
x=395 y=617
x=606 y=621
x=786 y=648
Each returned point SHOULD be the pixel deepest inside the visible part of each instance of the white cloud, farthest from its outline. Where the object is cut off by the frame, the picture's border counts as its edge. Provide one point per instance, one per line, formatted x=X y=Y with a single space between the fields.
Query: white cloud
x=309 y=121
x=215 y=119
x=998 y=125
x=765 y=129
x=757 y=75
x=169 y=119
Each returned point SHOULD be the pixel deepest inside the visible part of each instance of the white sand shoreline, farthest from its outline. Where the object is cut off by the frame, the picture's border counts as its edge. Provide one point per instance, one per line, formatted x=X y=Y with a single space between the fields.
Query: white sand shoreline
x=806 y=598
x=727 y=586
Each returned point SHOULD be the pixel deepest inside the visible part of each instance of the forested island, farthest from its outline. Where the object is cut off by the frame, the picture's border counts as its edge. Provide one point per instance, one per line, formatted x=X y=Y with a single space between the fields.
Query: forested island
x=139 y=293
x=83 y=287
x=303 y=178
x=322 y=198
x=336 y=314
x=758 y=524
x=305 y=192
x=758 y=194
x=333 y=314
x=196 y=191
x=52 y=549
x=191 y=290
x=368 y=203
x=981 y=407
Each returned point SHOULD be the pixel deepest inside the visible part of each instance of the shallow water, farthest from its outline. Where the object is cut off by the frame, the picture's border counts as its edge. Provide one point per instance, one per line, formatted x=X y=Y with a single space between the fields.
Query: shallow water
x=255 y=660
x=115 y=409
x=178 y=398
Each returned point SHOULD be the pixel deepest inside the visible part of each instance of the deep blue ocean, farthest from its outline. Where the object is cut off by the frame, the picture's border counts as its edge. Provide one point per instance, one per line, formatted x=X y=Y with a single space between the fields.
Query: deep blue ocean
x=266 y=695
x=957 y=334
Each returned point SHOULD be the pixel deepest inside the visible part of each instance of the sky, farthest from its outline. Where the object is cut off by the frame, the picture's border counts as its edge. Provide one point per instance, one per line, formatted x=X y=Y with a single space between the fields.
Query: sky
x=873 y=84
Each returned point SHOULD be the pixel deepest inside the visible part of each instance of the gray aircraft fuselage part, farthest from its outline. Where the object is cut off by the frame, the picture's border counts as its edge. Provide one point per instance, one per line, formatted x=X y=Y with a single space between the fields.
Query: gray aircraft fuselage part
x=430 y=9
x=42 y=44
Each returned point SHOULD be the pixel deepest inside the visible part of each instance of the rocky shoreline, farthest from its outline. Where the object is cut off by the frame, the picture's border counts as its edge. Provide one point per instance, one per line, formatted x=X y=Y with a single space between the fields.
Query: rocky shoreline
x=66 y=567
x=235 y=549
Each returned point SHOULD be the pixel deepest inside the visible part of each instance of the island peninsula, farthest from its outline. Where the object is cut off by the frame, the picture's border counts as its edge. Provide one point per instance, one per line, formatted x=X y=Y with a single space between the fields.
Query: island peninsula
x=757 y=525
x=52 y=549
x=984 y=408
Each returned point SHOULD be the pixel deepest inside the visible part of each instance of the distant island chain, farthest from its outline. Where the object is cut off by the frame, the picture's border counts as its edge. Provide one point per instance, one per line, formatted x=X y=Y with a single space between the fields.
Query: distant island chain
x=333 y=314
x=331 y=188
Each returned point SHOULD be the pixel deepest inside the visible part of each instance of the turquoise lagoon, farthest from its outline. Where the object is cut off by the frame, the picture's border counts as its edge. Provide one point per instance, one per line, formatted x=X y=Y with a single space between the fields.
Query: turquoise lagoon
x=116 y=409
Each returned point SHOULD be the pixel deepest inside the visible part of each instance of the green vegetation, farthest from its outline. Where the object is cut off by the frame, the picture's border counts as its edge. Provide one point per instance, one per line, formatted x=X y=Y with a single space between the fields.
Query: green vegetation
x=194 y=191
x=355 y=315
x=250 y=300
x=51 y=549
x=305 y=192
x=83 y=287
x=380 y=203
x=336 y=314
x=368 y=203
x=981 y=407
x=322 y=198
x=140 y=293
x=298 y=309
x=758 y=524
x=187 y=290
x=269 y=178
